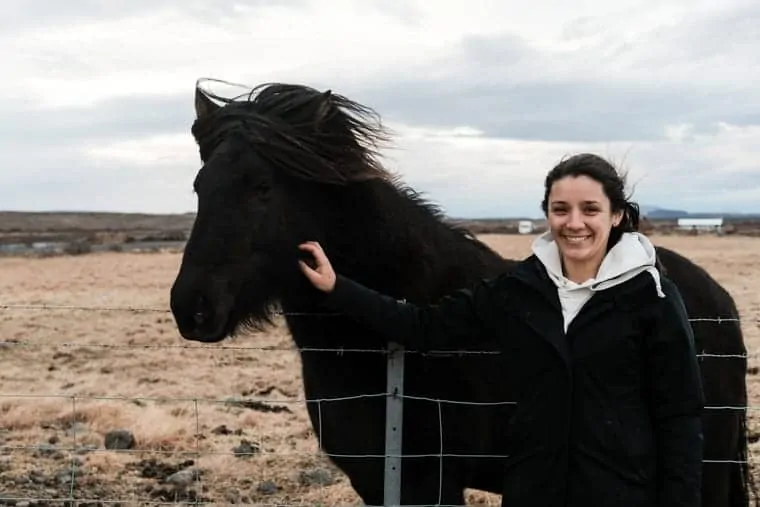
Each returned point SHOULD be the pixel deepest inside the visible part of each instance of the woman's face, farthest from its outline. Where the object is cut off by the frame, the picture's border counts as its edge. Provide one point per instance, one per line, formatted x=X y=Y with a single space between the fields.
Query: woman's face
x=580 y=218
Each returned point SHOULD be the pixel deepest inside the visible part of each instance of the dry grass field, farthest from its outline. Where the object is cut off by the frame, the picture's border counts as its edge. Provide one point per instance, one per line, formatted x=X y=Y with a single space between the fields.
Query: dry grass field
x=69 y=378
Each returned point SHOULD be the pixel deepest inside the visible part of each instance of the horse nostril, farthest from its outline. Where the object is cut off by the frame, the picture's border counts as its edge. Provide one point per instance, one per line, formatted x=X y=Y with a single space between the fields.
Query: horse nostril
x=201 y=314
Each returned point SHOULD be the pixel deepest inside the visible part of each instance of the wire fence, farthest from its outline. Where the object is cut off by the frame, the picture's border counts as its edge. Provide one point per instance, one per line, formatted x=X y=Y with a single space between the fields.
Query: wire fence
x=186 y=484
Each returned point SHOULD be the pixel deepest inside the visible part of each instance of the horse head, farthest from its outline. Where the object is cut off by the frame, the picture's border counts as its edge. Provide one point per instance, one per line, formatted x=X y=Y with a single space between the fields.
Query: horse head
x=271 y=164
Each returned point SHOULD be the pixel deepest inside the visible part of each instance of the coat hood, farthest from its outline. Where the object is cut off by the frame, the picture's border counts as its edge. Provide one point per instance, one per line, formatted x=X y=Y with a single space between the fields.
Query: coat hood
x=633 y=254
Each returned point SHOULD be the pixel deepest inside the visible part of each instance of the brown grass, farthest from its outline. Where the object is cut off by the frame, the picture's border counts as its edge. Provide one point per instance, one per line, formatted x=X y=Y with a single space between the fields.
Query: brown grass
x=91 y=372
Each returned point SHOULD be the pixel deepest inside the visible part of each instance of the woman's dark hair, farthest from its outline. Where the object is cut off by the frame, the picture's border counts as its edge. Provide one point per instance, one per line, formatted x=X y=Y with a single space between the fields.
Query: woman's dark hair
x=613 y=183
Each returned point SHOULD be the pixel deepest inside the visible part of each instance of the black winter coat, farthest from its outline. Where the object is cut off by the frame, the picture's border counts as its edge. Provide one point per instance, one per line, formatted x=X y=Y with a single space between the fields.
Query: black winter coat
x=608 y=414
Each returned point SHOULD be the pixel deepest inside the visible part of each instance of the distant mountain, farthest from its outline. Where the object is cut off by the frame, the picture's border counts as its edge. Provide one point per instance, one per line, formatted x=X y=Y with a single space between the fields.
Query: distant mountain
x=655 y=212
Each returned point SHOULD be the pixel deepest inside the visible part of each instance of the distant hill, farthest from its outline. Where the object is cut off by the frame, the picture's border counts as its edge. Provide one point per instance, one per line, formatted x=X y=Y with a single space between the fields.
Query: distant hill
x=662 y=213
x=19 y=227
x=52 y=232
x=657 y=213
x=72 y=221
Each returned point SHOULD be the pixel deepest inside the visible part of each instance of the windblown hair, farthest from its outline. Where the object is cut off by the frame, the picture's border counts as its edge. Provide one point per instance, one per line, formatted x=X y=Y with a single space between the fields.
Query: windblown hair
x=314 y=136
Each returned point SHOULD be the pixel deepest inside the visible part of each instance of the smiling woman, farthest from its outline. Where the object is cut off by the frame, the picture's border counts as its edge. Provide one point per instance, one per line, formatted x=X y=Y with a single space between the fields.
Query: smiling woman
x=587 y=212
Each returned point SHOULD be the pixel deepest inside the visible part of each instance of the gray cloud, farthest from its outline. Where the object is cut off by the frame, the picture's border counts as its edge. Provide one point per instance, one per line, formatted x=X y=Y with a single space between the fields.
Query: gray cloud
x=617 y=90
x=403 y=12
x=565 y=111
x=44 y=165
x=718 y=34
x=23 y=14
x=50 y=177
x=502 y=86
x=112 y=119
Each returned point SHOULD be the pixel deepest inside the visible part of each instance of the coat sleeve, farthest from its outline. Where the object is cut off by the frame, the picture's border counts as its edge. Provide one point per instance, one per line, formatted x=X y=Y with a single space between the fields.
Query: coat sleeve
x=456 y=321
x=677 y=400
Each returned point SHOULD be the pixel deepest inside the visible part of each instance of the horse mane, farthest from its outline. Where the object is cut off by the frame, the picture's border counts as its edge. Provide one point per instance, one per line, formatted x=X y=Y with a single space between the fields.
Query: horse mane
x=314 y=136
x=320 y=137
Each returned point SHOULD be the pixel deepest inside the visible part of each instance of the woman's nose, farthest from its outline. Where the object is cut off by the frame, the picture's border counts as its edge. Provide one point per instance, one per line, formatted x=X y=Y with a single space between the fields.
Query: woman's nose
x=575 y=220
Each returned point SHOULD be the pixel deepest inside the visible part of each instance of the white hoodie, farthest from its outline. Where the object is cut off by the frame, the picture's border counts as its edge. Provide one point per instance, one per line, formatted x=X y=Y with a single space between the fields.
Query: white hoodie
x=631 y=255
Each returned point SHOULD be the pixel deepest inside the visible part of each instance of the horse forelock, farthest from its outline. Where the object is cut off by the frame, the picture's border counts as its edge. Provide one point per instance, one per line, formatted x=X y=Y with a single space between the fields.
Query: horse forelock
x=320 y=137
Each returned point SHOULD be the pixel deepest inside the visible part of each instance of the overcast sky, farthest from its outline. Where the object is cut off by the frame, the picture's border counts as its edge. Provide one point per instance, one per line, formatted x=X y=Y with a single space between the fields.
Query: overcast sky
x=96 y=98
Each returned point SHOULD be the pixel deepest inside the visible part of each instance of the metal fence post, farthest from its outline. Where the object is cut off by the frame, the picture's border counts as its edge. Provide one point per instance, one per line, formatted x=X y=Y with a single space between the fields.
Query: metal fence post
x=394 y=416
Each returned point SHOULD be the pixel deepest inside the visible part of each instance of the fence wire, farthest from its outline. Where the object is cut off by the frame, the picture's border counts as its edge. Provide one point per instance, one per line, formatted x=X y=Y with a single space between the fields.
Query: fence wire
x=260 y=451
x=339 y=350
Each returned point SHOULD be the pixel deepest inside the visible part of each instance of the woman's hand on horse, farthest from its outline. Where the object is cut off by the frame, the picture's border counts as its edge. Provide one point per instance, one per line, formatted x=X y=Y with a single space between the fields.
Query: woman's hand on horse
x=322 y=275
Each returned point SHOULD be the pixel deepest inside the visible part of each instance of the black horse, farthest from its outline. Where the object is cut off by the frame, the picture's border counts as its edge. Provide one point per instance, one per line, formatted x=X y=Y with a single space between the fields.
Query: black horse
x=289 y=163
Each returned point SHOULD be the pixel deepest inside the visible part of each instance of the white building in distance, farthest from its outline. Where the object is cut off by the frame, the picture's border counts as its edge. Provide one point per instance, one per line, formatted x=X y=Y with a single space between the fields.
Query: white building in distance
x=525 y=227
x=701 y=224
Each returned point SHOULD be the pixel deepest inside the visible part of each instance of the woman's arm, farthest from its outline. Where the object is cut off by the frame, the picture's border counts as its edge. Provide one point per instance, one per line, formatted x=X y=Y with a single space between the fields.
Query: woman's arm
x=456 y=321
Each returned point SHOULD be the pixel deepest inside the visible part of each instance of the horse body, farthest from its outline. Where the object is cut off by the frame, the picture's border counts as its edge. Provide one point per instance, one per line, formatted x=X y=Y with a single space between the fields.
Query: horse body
x=719 y=340
x=293 y=165
x=409 y=254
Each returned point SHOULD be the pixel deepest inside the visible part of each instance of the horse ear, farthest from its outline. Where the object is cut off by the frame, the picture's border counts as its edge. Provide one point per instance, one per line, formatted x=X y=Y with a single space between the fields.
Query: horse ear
x=203 y=105
x=325 y=104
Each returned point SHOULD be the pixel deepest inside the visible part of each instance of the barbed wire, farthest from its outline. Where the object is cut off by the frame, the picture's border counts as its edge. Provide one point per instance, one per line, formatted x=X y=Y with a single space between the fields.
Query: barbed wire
x=293 y=401
x=293 y=348
x=257 y=452
x=45 y=306
x=258 y=348
x=67 y=501
x=336 y=350
x=261 y=452
x=131 y=501
x=233 y=400
x=136 y=309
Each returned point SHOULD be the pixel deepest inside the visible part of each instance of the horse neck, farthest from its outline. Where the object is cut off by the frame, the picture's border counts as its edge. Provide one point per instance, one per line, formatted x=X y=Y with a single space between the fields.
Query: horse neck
x=388 y=241
x=385 y=240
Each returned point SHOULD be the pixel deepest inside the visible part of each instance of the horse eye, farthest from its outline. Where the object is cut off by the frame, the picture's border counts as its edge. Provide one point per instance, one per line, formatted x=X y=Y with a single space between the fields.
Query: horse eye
x=262 y=188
